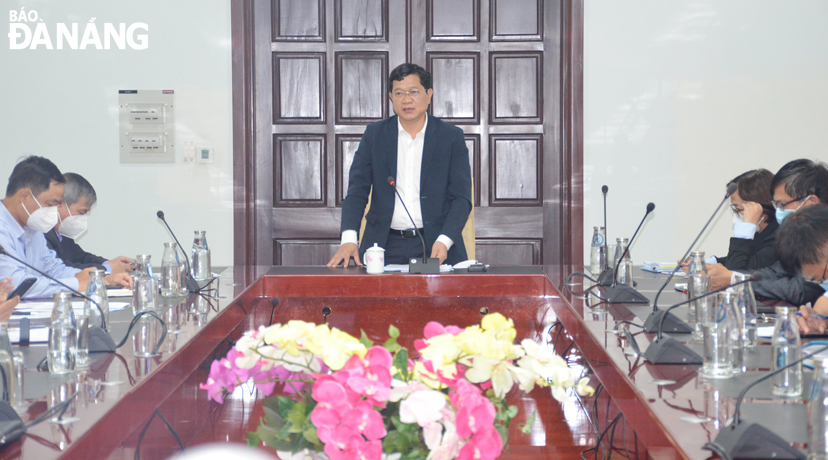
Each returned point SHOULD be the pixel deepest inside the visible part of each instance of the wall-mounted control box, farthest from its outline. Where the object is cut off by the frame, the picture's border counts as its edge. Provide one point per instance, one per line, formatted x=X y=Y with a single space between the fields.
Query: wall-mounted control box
x=147 y=126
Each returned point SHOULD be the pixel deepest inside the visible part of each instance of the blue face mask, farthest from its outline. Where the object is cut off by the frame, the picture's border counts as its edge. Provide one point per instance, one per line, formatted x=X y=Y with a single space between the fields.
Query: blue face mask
x=781 y=214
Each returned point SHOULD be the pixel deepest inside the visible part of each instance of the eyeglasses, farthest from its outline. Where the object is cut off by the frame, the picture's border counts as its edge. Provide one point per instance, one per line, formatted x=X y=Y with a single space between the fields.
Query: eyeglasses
x=736 y=209
x=414 y=93
x=784 y=204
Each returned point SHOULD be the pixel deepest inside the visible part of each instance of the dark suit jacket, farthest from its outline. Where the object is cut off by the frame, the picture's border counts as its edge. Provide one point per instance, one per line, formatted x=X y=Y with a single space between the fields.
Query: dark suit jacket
x=753 y=254
x=72 y=254
x=445 y=185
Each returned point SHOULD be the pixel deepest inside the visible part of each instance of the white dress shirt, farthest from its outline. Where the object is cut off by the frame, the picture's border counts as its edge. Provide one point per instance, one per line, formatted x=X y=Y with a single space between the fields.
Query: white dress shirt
x=409 y=166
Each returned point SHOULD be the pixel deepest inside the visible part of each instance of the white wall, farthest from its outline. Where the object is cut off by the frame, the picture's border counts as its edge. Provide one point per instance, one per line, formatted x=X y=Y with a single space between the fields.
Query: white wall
x=63 y=104
x=682 y=96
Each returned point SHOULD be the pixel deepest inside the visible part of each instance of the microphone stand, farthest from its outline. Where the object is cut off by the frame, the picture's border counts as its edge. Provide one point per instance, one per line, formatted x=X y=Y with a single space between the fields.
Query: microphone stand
x=674 y=324
x=622 y=293
x=607 y=276
x=667 y=350
x=429 y=265
x=739 y=440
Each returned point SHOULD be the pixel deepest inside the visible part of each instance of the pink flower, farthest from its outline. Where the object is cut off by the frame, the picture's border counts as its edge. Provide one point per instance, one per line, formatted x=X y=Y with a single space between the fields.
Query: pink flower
x=347 y=444
x=475 y=419
x=366 y=420
x=434 y=328
x=485 y=445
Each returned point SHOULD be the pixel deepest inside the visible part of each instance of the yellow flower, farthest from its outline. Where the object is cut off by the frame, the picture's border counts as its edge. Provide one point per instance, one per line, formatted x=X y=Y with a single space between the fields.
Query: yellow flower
x=288 y=335
x=503 y=328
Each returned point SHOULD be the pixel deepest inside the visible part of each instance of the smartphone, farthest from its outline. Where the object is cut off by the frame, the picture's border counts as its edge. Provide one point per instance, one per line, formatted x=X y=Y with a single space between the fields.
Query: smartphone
x=477 y=268
x=23 y=288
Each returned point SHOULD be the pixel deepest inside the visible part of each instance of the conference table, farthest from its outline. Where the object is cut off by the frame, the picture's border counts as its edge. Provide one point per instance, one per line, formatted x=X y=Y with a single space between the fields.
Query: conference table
x=123 y=400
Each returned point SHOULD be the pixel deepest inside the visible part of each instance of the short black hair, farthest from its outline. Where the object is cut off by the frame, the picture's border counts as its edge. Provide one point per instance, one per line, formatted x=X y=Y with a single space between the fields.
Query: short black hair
x=754 y=186
x=35 y=173
x=78 y=187
x=802 y=178
x=404 y=70
x=803 y=237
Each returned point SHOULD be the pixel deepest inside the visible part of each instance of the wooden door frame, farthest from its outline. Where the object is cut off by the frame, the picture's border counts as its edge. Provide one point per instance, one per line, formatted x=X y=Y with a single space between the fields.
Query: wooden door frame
x=252 y=214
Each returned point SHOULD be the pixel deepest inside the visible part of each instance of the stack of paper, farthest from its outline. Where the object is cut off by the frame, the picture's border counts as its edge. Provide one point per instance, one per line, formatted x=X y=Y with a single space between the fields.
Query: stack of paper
x=662 y=268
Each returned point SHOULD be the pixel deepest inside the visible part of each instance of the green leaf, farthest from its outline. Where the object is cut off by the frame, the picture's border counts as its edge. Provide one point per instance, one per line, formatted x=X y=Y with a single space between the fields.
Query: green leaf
x=503 y=430
x=526 y=428
x=391 y=345
x=253 y=439
x=285 y=405
x=310 y=435
x=513 y=410
x=296 y=418
x=269 y=436
x=393 y=332
x=365 y=340
x=401 y=363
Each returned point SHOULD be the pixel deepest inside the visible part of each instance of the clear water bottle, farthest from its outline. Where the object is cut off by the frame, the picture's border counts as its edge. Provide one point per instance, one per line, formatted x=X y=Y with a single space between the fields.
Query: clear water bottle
x=202 y=269
x=144 y=285
x=63 y=336
x=718 y=336
x=170 y=271
x=697 y=262
x=7 y=364
x=818 y=412
x=96 y=290
x=747 y=305
x=625 y=267
x=786 y=348
x=736 y=345
x=598 y=254
x=698 y=284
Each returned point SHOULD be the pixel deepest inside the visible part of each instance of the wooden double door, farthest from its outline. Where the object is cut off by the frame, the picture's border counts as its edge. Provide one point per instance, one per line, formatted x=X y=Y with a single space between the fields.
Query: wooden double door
x=309 y=75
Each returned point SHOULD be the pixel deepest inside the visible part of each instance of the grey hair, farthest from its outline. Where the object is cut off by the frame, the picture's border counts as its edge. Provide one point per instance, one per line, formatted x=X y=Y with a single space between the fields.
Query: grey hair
x=76 y=188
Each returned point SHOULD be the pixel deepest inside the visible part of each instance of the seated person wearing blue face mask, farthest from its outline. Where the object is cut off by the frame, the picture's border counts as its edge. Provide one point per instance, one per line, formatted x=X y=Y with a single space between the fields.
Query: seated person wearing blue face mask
x=802 y=245
x=28 y=211
x=78 y=198
x=798 y=185
x=754 y=223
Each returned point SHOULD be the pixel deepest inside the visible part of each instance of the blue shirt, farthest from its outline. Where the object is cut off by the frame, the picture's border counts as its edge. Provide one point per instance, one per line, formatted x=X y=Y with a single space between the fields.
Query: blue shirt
x=30 y=245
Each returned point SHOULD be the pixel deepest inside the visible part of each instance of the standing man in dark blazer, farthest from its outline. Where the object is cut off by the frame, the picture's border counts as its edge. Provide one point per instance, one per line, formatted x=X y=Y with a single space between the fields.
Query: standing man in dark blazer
x=428 y=160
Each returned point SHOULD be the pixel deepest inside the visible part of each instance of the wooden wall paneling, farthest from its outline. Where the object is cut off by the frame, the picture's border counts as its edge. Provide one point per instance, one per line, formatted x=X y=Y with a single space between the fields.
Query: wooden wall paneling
x=516 y=87
x=361 y=87
x=299 y=87
x=473 y=144
x=505 y=251
x=298 y=20
x=299 y=170
x=456 y=20
x=516 y=20
x=457 y=79
x=303 y=251
x=346 y=147
x=515 y=166
x=361 y=20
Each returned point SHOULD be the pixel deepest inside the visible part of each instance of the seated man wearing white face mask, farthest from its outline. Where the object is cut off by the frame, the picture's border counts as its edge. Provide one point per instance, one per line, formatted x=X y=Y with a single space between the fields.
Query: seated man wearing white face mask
x=78 y=199
x=28 y=211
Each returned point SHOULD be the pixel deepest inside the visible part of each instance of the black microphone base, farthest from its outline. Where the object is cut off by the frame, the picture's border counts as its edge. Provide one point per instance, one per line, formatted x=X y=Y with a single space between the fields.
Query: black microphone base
x=671 y=323
x=667 y=350
x=192 y=285
x=624 y=294
x=424 y=266
x=11 y=427
x=606 y=277
x=100 y=341
x=753 y=441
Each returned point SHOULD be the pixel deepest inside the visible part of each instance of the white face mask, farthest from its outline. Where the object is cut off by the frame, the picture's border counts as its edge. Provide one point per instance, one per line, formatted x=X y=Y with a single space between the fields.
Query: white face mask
x=73 y=226
x=43 y=219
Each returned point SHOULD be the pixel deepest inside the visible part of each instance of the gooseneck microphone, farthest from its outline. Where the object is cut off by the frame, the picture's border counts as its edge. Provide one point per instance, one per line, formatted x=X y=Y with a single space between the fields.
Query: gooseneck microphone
x=608 y=274
x=429 y=266
x=667 y=350
x=99 y=339
x=189 y=282
x=622 y=293
x=751 y=440
x=674 y=324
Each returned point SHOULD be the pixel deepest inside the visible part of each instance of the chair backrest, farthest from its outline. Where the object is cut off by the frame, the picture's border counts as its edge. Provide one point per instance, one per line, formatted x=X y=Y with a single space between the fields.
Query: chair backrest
x=468 y=229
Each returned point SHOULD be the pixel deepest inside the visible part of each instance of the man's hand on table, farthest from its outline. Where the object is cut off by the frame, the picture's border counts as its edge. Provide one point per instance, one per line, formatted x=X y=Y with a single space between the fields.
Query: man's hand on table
x=344 y=254
x=719 y=276
x=439 y=251
x=119 y=279
x=807 y=323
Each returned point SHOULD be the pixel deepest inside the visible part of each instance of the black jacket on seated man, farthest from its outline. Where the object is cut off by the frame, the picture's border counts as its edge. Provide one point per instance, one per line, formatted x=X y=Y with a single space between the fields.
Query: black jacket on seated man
x=777 y=283
x=72 y=254
x=445 y=185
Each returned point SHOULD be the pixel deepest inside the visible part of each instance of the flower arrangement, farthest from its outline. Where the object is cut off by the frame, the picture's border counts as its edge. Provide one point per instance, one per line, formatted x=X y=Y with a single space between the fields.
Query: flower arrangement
x=352 y=399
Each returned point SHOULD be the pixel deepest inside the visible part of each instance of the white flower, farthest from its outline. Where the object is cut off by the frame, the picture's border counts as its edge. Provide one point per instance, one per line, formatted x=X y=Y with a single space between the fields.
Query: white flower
x=422 y=407
x=541 y=360
x=502 y=374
